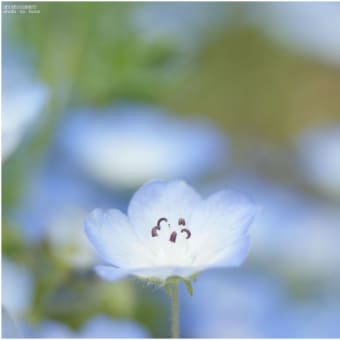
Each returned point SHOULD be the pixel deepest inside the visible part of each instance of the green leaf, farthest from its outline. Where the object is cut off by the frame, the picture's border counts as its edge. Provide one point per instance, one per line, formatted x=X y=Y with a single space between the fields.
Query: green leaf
x=188 y=285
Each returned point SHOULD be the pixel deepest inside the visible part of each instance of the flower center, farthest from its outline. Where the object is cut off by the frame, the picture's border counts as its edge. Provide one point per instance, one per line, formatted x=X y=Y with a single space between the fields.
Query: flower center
x=173 y=236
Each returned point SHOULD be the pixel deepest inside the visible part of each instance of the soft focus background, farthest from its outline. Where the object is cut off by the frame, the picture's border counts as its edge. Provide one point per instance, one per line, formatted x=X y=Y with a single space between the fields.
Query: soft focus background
x=98 y=98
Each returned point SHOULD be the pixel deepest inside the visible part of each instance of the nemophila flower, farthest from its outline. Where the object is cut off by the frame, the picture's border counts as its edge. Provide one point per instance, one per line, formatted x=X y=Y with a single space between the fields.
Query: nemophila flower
x=48 y=329
x=67 y=241
x=313 y=29
x=58 y=218
x=23 y=99
x=319 y=158
x=17 y=289
x=99 y=326
x=183 y=26
x=127 y=145
x=8 y=326
x=170 y=231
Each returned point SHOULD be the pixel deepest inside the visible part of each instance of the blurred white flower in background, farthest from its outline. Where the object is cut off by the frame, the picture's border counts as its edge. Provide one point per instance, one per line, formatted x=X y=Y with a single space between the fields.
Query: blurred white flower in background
x=8 y=327
x=312 y=28
x=68 y=243
x=23 y=100
x=233 y=304
x=170 y=231
x=127 y=145
x=99 y=326
x=48 y=329
x=318 y=153
x=17 y=289
x=186 y=26
x=59 y=217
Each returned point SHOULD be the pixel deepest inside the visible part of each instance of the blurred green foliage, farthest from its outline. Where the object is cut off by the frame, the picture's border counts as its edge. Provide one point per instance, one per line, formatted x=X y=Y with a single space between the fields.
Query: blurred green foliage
x=253 y=86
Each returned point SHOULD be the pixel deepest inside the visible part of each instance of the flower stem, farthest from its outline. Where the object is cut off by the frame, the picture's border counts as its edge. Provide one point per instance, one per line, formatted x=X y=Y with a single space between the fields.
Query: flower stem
x=175 y=311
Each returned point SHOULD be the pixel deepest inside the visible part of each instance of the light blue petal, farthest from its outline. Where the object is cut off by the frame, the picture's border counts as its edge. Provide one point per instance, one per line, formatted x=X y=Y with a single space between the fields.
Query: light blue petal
x=9 y=328
x=233 y=256
x=157 y=199
x=17 y=288
x=221 y=224
x=113 y=238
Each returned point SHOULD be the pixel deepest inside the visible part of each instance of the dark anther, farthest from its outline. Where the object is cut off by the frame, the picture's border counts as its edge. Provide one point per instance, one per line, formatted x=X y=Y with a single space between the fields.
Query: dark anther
x=173 y=237
x=154 y=231
x=161 y=220
x=181 y=221
x=187 y=231
x=157 y=227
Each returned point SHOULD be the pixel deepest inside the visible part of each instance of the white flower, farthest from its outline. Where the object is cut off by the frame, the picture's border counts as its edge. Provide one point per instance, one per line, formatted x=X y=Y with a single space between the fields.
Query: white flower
x=9 y=328
x=185 y=26
x=127 y=145
x=318 y=150
x=67 y=240
x=17 y=288
x=169 y=231
x=39 y=213
x=313 y=28
x=23 y=98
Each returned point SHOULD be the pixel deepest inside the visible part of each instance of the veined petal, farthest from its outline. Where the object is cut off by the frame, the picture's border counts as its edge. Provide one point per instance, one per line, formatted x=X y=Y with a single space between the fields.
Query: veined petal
x=232 y=255
x=114 y=240
x=157 y=199
x=221 y=224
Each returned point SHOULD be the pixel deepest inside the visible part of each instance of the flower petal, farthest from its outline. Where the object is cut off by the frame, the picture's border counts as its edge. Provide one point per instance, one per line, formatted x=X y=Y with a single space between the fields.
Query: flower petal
x=233 y=255
x=221 y=224
x=157 y=199
x=114 y=240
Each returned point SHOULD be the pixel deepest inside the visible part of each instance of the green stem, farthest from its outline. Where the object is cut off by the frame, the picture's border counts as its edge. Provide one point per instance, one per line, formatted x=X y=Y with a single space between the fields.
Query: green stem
x=174 y=312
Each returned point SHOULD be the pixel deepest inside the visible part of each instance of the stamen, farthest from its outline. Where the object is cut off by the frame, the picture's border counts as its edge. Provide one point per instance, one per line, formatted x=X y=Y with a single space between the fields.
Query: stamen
x=181 y=221
x=157 y=227
x=154 y=231
x=173 y=237
x=187 y=231
x=161 y=220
